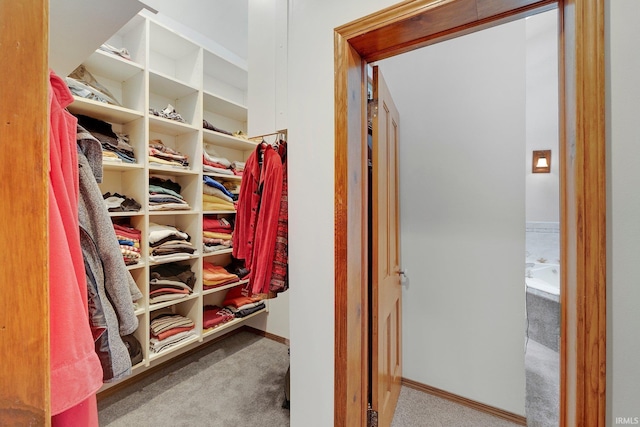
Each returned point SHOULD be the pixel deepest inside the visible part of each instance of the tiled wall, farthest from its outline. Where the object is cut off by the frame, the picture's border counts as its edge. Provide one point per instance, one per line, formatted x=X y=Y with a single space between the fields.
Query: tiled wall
x=543 y=242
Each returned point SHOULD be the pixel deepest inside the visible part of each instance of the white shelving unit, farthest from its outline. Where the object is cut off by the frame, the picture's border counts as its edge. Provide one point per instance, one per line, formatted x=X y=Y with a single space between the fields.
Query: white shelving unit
x=167 y=68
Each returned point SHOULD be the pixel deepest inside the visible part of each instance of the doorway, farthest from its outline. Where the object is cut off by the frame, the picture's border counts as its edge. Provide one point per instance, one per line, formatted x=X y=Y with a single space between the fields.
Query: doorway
x=415 y=24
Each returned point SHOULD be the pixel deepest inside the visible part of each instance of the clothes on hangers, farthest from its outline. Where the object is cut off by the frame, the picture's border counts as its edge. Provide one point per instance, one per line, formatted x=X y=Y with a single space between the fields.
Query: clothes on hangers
x=76 y=373
x=257 y=220
x=280 y=269
x=113 y=290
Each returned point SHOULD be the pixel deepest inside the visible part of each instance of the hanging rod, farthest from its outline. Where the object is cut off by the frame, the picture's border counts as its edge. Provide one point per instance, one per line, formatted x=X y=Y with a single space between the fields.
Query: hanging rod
x=277 y=133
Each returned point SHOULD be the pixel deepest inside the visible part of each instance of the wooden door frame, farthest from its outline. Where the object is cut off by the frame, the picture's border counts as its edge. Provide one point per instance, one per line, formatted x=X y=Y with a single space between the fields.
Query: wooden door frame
x=24 y=278
x=417 y=23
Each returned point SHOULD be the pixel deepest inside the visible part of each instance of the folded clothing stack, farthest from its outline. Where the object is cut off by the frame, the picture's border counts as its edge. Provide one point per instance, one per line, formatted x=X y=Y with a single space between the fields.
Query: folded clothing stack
x=167 y=243
x=115 y=147
x=212 y=162
x=162 y=155
x=168 y=330
x=208 y=125
x=168 y=282
x=164 y=195
x=214 y=276
x=233 y=187
x=213 y=316
x=238 y=168
x=238 y=301
x=82 y=83
x=129 y=240
x=217 y=233
x=216 y=197
x=169 y=112
x=120 y=203
x=122 y=52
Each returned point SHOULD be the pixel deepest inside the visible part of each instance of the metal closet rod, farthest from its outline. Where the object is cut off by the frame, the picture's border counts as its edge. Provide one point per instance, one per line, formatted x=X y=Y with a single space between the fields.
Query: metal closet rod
x=277 y=133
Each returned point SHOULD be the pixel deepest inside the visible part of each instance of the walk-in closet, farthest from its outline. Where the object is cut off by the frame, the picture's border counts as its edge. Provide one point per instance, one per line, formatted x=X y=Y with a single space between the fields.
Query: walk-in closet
x=167 y=218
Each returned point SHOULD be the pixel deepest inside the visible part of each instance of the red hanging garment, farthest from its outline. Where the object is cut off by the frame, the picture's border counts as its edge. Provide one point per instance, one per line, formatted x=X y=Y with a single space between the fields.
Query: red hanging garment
x=76 y=373
x=254 y=238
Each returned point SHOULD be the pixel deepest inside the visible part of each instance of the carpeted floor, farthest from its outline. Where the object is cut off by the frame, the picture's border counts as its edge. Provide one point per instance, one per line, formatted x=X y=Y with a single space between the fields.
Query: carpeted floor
x=236 y=382
x=543 y=385
x=226 y=384
x=418 y=409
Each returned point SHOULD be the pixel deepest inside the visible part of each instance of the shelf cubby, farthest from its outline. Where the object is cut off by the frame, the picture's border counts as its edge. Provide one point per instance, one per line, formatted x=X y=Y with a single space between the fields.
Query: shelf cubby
x=190 y=190
x=132 y=36
x=224 y=79
x=100 y=110
x=174 y=56
x=129 y=182
x=164 y=69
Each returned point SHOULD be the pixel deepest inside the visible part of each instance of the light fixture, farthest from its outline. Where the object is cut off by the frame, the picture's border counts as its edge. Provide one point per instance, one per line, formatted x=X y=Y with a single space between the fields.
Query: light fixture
x=541 y=161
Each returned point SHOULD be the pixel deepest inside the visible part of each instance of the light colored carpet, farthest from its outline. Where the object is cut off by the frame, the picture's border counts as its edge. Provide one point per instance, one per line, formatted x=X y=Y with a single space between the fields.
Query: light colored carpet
x=240 y=381
x=236 y=382
x=543 y=385
x=418 y=409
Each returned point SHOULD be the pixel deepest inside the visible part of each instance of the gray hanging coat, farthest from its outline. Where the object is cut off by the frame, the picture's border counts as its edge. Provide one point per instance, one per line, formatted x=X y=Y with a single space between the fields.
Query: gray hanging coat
x=111 y=288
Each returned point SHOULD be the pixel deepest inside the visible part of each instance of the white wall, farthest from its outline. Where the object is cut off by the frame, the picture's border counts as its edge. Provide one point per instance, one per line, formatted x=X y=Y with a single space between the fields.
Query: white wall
x=623 y=130
x=224 y=21
x=311 y=201
x=311 y=133
x=267 y=104
x=462 y=192
x=268 y=66
x=542 y=189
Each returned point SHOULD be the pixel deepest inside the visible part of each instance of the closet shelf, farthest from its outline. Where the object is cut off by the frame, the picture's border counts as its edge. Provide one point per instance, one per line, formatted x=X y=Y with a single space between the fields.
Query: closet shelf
x=176 y=212
x=169 y=127
x=168 y=170
x=120 y=166
x=137 y=366
x=190 y=340
x=218 y=212
x=224 y=140
x=225 y=107
x=223 y=176
x=215 y=330
x=223 y=287
x=141 y=264
x=220 y=252
x=140 y=311
x=100 y=110
x=126 y=214
x=112 y=66
x=195 y=255
x=169 y=87
x=160 y=305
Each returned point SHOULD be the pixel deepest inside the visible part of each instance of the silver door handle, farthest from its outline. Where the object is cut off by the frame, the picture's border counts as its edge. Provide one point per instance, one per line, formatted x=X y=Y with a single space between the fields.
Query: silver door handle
x=403 y=275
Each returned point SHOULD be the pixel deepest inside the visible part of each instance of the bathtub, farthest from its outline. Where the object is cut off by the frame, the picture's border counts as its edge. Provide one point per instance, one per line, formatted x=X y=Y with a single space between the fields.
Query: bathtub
x=543 y=278
x=543 y=303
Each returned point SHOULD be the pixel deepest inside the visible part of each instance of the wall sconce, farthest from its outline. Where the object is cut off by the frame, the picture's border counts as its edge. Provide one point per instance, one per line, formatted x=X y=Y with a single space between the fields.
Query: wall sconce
x=541 y=161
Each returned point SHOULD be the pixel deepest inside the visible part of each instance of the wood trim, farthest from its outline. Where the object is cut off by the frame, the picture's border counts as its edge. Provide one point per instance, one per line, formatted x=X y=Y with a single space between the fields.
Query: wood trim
x=273 y=337
x=583 y=191
x=583 y=355
x=351 y=333
x=416 y=24
x=491 y=410
x=24 y=276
